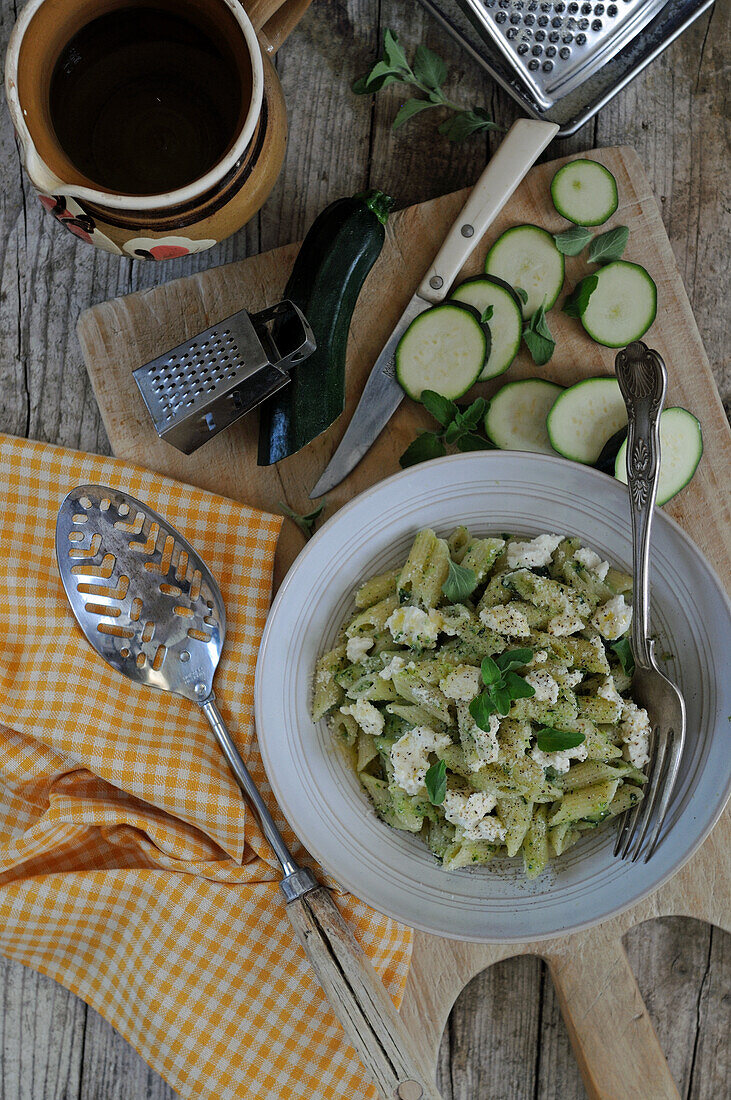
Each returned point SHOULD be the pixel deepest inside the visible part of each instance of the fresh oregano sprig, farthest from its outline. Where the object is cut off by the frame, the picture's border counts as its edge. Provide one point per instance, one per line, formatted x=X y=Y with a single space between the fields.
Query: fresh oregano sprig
x=538 y=338
x=427 y=75
x=307 y=522
x=460 y=583
x=457 y=429
x=502 y=685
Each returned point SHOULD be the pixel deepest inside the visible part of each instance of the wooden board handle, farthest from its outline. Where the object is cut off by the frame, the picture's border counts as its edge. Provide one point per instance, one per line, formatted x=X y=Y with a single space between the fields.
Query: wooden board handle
x=611 y=1033
x=359 y=1000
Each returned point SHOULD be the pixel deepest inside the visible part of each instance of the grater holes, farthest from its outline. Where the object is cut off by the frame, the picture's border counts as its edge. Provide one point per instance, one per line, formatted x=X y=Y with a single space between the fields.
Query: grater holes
x=547 y=66
x=199 y=635
x=123 y=509
x=612 y=11
x=102 y=609
x=124 y=651
x=76 y=536
x=149 y=546
x=170 y=590
x=568 y=39
x=550 y=52
x=140 y=660
x=80 y=517
x=540 y=36
x=580 y=39
x=542 y=20
x=136 y=609
x=511 y=33
x=599 y=9
x=133 y=528
x=533 y=64
x=500 y=18
x=564 y=53
x=115 y=630
x=529 y=20
x=596 y=25
x=117 y=593
x=522 y=49
x=583 y=25
x=536 y=51
x=184 y=612
x=148 y=631
x=515 y=19
x=554 y=36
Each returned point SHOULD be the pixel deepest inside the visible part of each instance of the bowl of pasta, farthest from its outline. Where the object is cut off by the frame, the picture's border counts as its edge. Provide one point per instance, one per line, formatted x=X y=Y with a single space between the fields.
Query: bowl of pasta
x=444 y=696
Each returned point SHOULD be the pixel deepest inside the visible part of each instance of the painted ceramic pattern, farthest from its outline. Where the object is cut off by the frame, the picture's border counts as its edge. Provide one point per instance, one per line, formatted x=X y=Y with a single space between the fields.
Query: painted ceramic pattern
x=165 y=248
x=74 y=218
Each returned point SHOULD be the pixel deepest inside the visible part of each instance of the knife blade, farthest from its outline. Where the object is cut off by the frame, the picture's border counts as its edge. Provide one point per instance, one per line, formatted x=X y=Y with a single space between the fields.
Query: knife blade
x=382 y=395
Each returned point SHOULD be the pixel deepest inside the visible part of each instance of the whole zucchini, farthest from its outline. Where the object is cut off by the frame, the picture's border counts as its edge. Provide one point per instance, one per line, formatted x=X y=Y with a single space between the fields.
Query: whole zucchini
x=343 y=243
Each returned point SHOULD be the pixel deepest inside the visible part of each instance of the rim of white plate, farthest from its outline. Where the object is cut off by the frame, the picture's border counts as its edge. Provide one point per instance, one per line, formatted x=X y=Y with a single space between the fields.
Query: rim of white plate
x=527 y=900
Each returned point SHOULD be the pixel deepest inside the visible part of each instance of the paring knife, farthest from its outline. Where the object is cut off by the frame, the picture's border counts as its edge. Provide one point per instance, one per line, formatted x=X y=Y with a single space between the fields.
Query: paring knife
x=382 y=395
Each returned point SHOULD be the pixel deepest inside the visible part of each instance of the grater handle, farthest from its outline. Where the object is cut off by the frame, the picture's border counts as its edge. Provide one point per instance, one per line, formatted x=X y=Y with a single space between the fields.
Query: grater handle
x=525 y=141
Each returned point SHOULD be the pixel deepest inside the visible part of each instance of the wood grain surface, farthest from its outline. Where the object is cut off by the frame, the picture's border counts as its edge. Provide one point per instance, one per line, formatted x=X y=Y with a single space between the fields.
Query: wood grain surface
x=505 y=1038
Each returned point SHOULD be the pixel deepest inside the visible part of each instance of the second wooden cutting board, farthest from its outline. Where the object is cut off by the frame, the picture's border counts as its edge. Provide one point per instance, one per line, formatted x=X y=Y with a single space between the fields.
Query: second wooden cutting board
x=610 y=1030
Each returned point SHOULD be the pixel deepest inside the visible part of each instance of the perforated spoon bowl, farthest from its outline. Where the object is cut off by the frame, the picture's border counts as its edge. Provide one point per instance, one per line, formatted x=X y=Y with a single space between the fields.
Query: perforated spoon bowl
x=149 y=606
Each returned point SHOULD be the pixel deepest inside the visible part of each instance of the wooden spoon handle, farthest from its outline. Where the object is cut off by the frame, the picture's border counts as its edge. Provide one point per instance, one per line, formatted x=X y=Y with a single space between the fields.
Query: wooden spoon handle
x=610 y=1030
x=359 y=1000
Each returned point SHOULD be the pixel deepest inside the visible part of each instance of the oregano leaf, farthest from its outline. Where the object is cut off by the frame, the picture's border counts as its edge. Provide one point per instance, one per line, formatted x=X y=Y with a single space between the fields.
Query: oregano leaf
x=549 y=739
x=435 y=782
x=514 y=658
x=481 y=708
x=572 y=241
x=429 y=67
x=578 y=300
x=490 y=670
x=623 y=650
x=306 y=522
x=426 y=445
x=522 y=294
x=460 y=583
x=609 y=246
x=441 y=408
x=408 y=109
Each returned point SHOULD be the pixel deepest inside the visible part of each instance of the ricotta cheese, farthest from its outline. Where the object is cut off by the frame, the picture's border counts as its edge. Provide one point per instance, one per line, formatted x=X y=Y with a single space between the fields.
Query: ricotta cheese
x=506 y=620
x=635 y=733
x=410 y=756
x=368 y=717
x=563 y=625
x=612 y=619
x=560 y=761
x=481 y=746
x=462 y=683
x=540 y=656
x=415 y=628
x=609 y=691
x=533 y=554
x=470 y=813
x=592 y=562
x=396 y=664
x=357 y=648
x=544 y=685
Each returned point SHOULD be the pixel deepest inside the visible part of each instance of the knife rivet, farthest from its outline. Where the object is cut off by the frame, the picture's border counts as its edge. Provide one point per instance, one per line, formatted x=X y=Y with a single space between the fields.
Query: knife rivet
x=468 y=230
x=436 y=282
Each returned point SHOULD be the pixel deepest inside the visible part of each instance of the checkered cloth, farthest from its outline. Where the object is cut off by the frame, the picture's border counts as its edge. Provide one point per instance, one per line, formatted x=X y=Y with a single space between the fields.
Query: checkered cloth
x=130 y=870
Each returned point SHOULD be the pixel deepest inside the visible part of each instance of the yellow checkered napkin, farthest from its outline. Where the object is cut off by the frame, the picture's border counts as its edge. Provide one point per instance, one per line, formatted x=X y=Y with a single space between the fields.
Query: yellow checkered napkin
x=129 y=869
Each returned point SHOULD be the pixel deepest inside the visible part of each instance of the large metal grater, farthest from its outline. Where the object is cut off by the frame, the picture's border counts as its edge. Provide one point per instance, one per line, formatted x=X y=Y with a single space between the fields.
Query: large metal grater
x=202 y=386
x=557 y=44
x=563 y=60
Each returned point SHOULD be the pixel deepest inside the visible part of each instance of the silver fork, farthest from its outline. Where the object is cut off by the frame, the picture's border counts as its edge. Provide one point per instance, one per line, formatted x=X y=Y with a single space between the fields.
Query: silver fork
x=642 y=379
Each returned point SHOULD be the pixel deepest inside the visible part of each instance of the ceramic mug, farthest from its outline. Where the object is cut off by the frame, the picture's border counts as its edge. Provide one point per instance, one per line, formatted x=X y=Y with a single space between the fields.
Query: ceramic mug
x=142 y=221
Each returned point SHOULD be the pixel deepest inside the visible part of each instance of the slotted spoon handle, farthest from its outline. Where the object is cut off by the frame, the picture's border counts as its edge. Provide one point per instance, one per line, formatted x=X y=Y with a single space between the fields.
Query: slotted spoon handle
x=359 y=1000
x=354 y=990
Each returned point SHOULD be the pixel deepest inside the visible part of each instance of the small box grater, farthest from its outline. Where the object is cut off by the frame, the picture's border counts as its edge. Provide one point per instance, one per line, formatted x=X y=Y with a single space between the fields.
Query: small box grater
x=563 y=60
x=202 y=386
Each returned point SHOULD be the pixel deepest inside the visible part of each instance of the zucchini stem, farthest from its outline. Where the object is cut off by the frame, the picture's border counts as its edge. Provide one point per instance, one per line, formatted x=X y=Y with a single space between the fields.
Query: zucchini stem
x=377 y=201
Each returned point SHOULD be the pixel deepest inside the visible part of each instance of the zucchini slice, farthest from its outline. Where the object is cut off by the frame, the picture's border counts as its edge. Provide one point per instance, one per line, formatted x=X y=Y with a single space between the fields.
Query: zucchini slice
x=681 y=447
x=584 y=192
x=622 y=307
x=584 y=417
x=516 y=416
x=506 y=323
x=526 y=257
x=443 y=349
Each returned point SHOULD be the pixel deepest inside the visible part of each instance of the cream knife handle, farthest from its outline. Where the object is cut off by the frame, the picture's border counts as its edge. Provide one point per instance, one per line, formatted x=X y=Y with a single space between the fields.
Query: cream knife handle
x=521 y=147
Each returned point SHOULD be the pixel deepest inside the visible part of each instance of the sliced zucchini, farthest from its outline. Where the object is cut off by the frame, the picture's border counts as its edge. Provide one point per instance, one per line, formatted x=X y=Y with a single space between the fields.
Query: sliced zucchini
x=681 y=447
x=607 y=459
x=526 y=257
x=622 y=307
x=583 y=418
x=584 y=192
x=443 y=349
x=516 y=416
x=506 y=323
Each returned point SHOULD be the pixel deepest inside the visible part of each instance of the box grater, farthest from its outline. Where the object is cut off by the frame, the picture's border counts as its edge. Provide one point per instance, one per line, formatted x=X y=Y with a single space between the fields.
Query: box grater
x=202 y=386
x=563 y=60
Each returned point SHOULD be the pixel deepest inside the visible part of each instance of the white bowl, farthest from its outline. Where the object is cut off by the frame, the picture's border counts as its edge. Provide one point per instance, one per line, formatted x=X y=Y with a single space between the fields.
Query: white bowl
x=489 y=492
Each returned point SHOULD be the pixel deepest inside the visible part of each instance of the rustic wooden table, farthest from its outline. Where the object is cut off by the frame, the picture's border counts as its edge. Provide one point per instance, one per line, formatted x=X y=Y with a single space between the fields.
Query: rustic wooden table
x=505 y=1039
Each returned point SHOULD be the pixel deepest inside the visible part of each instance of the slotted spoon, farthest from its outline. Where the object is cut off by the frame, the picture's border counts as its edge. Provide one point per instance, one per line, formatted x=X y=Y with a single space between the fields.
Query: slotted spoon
x=149 y=606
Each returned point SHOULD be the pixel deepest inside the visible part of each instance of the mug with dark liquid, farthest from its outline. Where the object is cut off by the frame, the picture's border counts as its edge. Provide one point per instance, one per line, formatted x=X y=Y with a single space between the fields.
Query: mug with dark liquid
x=150 y=128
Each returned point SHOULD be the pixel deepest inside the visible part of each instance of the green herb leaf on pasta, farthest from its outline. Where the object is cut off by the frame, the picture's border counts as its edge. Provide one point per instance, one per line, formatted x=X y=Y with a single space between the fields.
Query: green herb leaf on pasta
x=518 y=687
x=549 y=739
x=481 y=708
x=436 y=783
x=514 y=658
x=460 y=583
x=623 y=650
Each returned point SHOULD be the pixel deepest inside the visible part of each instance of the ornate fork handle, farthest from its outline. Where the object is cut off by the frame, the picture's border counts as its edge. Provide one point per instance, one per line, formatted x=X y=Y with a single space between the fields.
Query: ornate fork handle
x=642 y=378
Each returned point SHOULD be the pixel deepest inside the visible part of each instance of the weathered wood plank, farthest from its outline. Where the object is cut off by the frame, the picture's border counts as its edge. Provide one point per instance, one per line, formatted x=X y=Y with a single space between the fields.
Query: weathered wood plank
x=41 y=1036
x=112 y=1070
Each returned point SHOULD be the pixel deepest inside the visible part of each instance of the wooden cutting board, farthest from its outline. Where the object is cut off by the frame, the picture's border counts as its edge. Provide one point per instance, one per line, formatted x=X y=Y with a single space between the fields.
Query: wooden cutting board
x=610 y=1030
